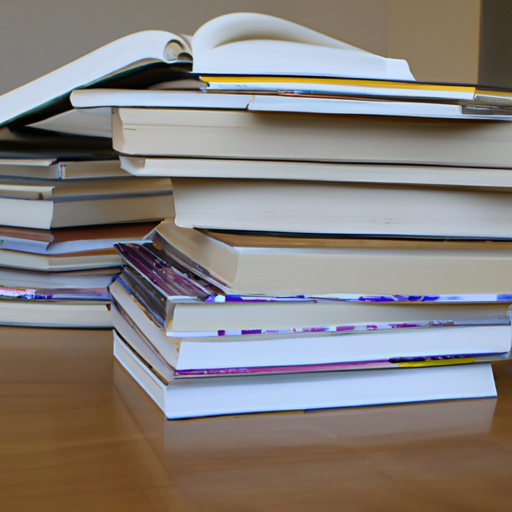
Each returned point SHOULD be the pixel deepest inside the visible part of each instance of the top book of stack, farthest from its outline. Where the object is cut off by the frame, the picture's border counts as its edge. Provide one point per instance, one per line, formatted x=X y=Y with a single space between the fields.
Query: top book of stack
x=239 y=43
x=240 y=52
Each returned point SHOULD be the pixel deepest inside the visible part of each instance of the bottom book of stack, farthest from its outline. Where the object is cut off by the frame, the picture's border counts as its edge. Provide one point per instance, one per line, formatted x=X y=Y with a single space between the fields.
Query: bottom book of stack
x=180 y=397
x=74 y=299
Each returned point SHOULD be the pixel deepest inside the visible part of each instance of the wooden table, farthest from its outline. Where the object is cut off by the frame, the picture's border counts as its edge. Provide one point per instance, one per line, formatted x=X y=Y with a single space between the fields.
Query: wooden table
x=77 y=434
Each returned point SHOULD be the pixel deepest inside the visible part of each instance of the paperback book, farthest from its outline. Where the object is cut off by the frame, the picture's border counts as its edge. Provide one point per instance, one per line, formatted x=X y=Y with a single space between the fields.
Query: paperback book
x=188 y=398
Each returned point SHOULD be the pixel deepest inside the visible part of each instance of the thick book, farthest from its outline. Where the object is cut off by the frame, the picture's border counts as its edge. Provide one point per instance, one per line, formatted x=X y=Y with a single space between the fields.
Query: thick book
x=313 y=352
x=62 y=314
x=252 y=264
x=70 y=203
x=209 y=441
x=311 y=137
x=363 y=209
x=231 y=43
x=188 y=398
x=199 y=314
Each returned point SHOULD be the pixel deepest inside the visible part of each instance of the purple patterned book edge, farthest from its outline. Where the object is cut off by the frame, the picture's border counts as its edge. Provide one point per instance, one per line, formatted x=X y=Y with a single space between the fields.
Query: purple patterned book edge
x=341 y=329
x=398 y=362
x=55 y=294
x=180 y=284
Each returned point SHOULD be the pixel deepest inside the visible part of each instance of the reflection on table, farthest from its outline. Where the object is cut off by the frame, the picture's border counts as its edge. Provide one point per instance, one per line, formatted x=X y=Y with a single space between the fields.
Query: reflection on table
x=77 y=433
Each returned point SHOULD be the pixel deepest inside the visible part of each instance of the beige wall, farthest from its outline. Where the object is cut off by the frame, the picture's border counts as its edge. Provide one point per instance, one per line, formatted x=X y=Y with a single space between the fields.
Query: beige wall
x=437 y=36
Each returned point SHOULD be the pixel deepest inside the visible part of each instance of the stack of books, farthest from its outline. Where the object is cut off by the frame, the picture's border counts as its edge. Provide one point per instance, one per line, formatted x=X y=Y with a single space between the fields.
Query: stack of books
x=64 y=203
x=337 y=241
x=309 y=241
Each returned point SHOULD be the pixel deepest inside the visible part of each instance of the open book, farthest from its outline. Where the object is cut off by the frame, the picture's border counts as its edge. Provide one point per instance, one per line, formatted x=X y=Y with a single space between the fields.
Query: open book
x=238 y=43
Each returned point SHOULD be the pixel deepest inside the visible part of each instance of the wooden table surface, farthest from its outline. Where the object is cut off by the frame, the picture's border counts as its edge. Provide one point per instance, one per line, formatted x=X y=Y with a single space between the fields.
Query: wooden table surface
x=77 y=434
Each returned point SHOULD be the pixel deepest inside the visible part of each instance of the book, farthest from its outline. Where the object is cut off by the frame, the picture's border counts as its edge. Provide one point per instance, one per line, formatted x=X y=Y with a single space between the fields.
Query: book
x=312 y=352
x=70 y=203
x=231 y=42
x=54 y=294
x=62 y=314
x=99 y=101
x=22 y=143
x=230 y=134
x=188 y=398
x=202 y=315
x=349 y=87
x=67 y=190
x=72 y=240
x=319 y=266
x=75 y=279
x=204 y=443
x=340 y=208
x=423 y=175
x=92 y=108
x=100 y=258
x=302 y=93
x=92 y=114
x=54 y=169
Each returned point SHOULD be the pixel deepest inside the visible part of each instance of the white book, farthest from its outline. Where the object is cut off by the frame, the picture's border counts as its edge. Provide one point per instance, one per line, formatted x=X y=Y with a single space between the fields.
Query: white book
x=73 y=240
x=191 y=316
x=223 y=438
x=20 y=278
x=54 y=169
x=338 y=266
x=48 y=214
x=68 y=190
x=92 y=113
x=318 y=171
x=96 y=103
x=67 y=315
x=190 y=398
x=230 y=134
x=308 y=352
x=361 y=209
x=103 y=258
x=231 y=43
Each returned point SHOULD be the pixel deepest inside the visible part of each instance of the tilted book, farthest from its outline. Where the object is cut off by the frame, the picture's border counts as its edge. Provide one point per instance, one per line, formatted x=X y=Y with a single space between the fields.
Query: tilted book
x=261 y=354
x=244 y=263
x=174 y=301
x=231 y=43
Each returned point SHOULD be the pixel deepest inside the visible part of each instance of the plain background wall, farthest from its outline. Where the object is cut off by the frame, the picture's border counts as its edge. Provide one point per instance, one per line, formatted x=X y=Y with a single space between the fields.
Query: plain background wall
x=439 y=38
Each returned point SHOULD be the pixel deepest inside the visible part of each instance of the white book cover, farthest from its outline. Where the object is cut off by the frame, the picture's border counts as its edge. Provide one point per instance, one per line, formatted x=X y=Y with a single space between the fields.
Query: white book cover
x=212 y=439
x=249 y=394
x=324 y=351
x=234 y=43
x=54 y=314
